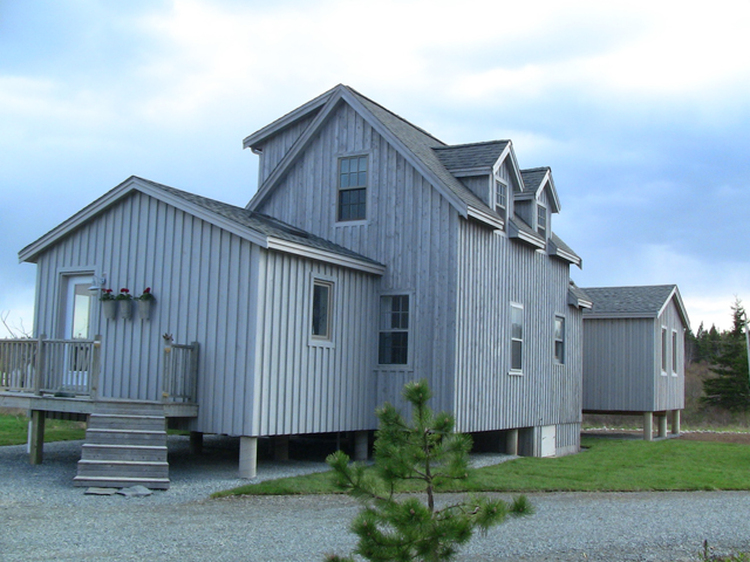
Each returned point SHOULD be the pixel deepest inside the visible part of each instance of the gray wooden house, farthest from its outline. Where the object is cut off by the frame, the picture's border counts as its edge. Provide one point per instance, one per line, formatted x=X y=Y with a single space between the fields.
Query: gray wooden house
x=634 y=354
x=371 y=254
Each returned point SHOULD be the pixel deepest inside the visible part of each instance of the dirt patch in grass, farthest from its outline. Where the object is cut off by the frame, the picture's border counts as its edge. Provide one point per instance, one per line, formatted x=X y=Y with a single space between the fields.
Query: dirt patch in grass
x=717 y=437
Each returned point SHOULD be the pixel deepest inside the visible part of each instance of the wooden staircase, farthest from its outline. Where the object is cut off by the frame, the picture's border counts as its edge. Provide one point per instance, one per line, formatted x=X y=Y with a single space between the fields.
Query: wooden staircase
x=126 y=445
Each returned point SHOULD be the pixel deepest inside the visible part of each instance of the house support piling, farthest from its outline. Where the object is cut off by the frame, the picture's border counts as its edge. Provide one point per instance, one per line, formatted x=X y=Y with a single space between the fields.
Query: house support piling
x=511 y=443
x=648 y=426
x=36 y=438
x=196 y=442
x=361 y=440
x=675 y=422
x=281 y=448
x=248 y=457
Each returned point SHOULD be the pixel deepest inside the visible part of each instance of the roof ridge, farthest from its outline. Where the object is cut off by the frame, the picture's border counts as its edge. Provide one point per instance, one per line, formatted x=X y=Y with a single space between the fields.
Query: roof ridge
x=396 y=115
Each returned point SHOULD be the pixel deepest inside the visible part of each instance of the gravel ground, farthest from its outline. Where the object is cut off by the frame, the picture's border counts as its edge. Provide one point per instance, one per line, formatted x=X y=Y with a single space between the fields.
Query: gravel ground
x=43 y=517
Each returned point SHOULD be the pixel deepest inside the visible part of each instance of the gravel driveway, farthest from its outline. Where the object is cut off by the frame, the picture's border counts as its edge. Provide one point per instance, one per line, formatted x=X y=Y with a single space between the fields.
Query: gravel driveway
x=42 y=517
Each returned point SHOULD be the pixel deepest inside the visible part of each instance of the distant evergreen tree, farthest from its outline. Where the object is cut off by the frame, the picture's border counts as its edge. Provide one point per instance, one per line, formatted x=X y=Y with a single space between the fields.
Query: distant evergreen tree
x=428 y=451
x=730 y=388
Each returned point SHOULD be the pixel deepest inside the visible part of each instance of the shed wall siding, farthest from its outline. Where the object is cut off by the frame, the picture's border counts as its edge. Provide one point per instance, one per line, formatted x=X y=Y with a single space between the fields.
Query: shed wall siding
x=619 y=364
x=669 y=388
x=202 y=277
x=410 y=228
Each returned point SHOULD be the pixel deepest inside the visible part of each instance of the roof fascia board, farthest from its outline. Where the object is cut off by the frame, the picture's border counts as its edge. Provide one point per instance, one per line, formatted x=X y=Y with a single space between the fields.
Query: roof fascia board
x=553 y=250
x=408 y=155
x=283 y=122
x=573 y=300
x=495 y=222
x=322 y=255
x=295 y=151
x=516 y=233
x=514 y=169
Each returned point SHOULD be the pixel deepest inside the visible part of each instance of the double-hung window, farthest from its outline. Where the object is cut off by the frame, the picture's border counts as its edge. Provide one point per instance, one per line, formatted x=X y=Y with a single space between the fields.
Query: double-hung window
x=541 y=220
x=501 y=199
x=393 y=348
x=516 y=338
x=559 y=339
x=321 y=310
x=352 y=188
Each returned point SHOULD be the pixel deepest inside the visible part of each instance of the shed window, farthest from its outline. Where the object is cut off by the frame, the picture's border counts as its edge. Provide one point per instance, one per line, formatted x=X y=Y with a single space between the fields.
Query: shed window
x=516 y=337
x=663 y=349
x=559 y=339
x=352 y=189
x=393 y=347
x=321 y=309
x=674 y=352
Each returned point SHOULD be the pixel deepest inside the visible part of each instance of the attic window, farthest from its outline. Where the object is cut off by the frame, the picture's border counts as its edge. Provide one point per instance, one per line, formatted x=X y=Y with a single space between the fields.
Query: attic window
x=352 y=188
x=501 y=198
x=541 y=220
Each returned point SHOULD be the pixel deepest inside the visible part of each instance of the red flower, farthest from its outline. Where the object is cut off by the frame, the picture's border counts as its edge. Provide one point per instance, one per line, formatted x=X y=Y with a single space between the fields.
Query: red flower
x=126 y=291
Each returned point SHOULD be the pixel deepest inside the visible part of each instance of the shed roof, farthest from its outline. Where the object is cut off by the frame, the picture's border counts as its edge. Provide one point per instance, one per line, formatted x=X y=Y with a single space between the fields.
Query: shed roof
x=645 y=301
x=471 y=156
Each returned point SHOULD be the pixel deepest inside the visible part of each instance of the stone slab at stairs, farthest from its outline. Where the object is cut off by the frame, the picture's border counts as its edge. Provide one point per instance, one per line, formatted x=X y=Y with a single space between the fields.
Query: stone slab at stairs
x=126 y=445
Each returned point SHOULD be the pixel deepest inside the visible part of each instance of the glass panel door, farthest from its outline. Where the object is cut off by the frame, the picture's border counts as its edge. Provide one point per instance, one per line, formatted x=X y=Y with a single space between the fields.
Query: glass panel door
x=78 y=305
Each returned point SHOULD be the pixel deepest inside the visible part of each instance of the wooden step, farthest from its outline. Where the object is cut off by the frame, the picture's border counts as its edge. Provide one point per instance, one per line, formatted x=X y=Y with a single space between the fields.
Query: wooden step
x=123 y=469
x=125 y=437
x=97 y=451
x=130 y=408
x=123 y=421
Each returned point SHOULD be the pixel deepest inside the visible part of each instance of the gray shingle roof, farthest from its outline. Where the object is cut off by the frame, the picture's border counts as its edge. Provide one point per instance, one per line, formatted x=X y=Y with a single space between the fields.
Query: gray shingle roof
x=533 y=177
x=467 y=156
x=647 y=300
x=259 y=222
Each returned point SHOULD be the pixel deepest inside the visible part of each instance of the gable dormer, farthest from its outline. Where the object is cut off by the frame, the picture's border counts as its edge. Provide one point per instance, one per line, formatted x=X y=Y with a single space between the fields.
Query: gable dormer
x=487 y=169
x=538 y=201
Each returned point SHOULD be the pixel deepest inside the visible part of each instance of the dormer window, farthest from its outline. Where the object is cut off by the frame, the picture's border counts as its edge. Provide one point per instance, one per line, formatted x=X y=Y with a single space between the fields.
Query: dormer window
x=541 y=220
x=501 y=198
x=352 y=188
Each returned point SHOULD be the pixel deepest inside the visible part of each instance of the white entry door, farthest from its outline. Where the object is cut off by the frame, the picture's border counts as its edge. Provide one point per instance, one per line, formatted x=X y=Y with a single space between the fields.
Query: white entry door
x=78 y=305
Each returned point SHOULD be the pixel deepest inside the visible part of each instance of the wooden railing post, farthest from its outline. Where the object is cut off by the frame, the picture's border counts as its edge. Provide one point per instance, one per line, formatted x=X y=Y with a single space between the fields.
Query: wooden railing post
x=166 y=381
x=193 y=382
x=40 y=365
x=95 y=367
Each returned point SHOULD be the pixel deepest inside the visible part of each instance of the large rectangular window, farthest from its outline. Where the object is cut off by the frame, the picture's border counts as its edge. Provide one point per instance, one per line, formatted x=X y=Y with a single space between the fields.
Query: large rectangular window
x=321 y=309
x=352 y=188
x=516 y=338
x=559 y=339
x=393 y=347
x=664 y=350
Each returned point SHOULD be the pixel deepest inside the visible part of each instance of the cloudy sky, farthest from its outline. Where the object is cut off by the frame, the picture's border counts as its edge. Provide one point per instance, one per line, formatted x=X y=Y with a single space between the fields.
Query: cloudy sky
x=642 y=109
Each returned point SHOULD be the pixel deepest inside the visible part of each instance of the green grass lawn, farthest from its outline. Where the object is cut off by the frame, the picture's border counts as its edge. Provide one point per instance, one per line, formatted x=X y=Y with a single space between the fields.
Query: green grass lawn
x=14 y=430
x=605 y=465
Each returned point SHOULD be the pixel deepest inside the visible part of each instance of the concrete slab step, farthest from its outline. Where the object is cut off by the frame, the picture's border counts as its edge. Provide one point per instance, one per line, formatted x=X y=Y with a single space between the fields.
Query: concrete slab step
x=107 y=482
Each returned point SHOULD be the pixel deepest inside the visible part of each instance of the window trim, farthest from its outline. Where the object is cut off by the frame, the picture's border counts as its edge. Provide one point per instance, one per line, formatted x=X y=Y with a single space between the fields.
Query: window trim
x=674 y=352
x=664 y=351
x=558 y=360
x=339 y=190
x=516 y=306
x=317 y=339
x=409 y=331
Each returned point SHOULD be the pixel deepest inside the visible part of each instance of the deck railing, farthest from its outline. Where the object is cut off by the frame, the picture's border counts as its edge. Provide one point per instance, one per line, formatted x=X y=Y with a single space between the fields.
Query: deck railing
x=180 y=383
x=50 y=366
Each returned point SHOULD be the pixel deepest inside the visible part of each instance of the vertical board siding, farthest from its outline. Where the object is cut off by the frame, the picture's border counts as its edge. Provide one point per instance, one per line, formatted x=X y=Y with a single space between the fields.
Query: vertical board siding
x=308 y=387
x=669 y=389
x=619 y=364
x=410 y=228
x=496 y=271
x=201 y=278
